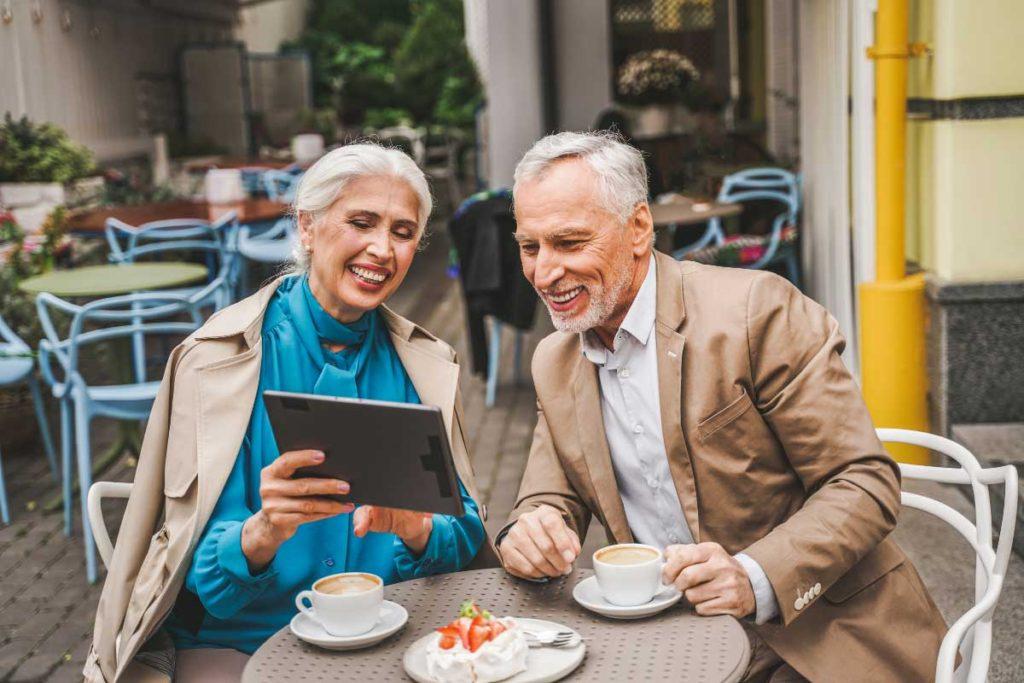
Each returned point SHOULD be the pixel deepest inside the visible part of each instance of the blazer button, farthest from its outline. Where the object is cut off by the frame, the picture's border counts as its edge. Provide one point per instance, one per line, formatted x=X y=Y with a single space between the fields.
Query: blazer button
x=799 y=604
x=817 y=588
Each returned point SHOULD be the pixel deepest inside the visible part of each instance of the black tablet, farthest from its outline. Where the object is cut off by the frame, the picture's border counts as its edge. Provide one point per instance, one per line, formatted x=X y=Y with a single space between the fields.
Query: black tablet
x=392 y=454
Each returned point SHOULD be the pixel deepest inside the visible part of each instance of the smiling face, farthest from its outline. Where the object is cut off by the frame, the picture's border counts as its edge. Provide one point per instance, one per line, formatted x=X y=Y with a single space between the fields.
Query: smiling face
x=360 y=250
x=584 y=262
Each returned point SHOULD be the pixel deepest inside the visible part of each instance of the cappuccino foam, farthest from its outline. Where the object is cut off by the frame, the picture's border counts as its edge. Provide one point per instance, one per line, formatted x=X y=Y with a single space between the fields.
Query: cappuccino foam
x=346 y=585
x=627 y=555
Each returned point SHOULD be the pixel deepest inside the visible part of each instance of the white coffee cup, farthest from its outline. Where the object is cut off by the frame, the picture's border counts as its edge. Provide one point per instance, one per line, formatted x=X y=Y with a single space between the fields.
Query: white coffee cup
x=625 y=578
x=344 y=612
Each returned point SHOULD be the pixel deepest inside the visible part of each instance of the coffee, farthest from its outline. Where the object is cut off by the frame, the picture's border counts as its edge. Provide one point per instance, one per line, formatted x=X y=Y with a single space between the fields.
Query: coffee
x=346 y=584
x=627 y=555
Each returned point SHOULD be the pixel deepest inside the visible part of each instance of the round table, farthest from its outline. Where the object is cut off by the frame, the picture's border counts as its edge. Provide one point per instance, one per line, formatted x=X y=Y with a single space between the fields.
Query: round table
x=687 y=211
x=673 y=645
x=114 y=279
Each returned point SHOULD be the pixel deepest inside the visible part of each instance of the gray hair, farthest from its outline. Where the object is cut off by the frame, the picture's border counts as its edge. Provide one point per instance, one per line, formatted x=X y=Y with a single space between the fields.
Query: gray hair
x=325 y=180
x=620 y=168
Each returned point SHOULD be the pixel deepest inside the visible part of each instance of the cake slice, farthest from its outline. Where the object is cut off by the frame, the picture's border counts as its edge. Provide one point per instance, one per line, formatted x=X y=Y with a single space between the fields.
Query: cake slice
x=477 y=648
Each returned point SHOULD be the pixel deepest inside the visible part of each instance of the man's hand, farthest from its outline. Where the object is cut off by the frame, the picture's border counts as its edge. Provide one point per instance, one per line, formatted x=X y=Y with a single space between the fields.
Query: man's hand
x=711 y=579
x=540 y=544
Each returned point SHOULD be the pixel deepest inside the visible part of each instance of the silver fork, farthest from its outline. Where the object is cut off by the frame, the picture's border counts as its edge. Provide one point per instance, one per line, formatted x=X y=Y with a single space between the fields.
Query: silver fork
x=550 y=638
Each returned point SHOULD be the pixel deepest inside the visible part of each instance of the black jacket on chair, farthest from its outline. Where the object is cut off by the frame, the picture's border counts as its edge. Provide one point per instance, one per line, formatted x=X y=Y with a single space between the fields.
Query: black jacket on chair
x=482 y=231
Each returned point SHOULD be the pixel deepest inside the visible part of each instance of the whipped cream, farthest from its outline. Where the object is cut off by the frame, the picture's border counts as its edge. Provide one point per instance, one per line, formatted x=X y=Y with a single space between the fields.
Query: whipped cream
x=496 y=660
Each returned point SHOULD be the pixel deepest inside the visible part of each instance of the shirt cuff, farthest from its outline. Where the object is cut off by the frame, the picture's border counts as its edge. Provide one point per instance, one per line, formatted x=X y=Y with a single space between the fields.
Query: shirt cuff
x=233 y=563
x=767 y=608
x=409 y=566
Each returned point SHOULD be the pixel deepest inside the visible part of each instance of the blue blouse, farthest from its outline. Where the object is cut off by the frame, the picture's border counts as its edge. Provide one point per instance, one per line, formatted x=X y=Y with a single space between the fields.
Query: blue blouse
x=242 y=610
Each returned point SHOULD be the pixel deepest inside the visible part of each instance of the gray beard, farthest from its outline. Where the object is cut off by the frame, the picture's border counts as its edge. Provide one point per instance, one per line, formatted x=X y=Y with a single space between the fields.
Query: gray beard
x=603 y=301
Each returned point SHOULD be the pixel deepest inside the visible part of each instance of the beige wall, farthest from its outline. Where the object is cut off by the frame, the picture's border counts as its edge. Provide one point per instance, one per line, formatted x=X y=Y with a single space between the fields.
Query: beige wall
x=965 y=206
x=265 y=26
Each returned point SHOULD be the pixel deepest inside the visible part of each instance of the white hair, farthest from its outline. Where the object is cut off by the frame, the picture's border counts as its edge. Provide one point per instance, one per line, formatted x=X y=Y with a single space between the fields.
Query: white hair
x=619 y=167
x=325 y=180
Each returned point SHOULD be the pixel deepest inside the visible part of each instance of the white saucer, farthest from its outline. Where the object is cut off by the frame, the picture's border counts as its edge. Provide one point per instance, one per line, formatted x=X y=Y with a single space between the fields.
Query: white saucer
x=543 y=664
x=588 y=595
x=392 y=617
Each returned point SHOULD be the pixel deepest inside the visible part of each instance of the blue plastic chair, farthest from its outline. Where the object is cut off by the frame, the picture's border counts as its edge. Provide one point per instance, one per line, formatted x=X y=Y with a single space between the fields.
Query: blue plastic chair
x=16 y=367
x=773 y=184
x=281 y=186
x=217 y=240
x=137 y=316
x=274 y=246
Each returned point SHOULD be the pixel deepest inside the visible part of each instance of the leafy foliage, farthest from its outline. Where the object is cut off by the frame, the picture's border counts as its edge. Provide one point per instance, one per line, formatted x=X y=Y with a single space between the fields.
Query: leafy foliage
x=392 y=61
x=43 y=153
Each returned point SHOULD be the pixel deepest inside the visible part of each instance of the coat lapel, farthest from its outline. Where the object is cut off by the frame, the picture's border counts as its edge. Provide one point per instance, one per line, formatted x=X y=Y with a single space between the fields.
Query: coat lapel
x=590 y=423
x=671 y=342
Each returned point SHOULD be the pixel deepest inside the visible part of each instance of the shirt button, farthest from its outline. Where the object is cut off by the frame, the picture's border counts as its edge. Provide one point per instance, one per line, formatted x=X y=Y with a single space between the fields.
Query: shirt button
x=637 y=429
x=624 y=373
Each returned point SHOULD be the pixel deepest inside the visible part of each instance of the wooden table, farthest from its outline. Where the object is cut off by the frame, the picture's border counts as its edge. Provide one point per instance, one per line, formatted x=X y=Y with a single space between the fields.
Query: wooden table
x=203 y=165
x=249 y=211
x=673 y=645
x=689 y=211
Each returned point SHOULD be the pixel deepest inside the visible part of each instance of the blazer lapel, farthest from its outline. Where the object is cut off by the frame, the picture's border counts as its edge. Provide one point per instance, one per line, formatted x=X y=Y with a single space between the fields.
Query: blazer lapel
x=671 y=342
x=590 y=426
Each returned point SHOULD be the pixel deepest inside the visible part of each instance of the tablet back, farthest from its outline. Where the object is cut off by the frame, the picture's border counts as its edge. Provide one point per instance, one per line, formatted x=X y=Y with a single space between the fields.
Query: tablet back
x=391 y=454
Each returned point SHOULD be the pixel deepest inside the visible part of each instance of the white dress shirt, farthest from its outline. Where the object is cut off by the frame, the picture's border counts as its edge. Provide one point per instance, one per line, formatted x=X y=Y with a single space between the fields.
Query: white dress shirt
x=631 y=407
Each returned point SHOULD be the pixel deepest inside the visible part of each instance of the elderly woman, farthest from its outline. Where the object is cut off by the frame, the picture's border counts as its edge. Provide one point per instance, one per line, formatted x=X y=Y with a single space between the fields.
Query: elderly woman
x=235 y=547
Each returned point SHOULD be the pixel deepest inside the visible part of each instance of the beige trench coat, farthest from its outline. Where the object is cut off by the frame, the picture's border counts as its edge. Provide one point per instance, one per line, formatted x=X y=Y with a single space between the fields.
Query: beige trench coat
x=194 y=432
x=772 y=453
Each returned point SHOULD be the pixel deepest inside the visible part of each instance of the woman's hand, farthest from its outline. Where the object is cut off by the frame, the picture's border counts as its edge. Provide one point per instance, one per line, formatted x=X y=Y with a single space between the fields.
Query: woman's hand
x=412 y=527
x=287 y=503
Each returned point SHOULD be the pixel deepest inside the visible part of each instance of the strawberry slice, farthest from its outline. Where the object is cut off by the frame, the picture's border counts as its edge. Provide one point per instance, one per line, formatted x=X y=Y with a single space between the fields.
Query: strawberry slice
x=497 y=628
x=449 y=630
x=478 y=635
x=463 y=625
x=448 y=641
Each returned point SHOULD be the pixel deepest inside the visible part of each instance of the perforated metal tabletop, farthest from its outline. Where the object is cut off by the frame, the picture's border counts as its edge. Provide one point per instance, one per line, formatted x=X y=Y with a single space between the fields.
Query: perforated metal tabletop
x=673 y=645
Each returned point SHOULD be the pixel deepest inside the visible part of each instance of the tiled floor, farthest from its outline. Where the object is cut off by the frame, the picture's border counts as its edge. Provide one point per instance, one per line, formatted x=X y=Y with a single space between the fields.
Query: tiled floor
x=46 y=607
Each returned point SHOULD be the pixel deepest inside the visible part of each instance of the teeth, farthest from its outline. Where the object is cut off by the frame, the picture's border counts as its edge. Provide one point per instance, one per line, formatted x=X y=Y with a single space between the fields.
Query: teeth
x=565 y=296
x=368 y=274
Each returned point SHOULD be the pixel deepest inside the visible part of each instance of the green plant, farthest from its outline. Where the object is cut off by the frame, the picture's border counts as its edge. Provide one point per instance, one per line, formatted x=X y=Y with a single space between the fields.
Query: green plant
x=385 y=117
x=43 y=153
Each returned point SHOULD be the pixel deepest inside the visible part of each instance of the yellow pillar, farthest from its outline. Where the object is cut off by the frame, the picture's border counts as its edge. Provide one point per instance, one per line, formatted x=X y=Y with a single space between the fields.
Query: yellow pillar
x=892 y=319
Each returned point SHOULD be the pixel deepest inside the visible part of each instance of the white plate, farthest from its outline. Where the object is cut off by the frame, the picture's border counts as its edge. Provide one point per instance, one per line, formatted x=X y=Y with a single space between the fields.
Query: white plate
x=392 y=617
x=587 y=594
x=543 y=664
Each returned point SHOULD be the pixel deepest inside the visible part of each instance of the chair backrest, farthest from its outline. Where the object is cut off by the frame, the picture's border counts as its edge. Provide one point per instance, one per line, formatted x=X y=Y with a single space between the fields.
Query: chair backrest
x=971 y=634
x=97 y=492
x=122 y=237
x=135 y=316
x=776 y=184
x=409 y=139
x=11 y=342
x=280 y=186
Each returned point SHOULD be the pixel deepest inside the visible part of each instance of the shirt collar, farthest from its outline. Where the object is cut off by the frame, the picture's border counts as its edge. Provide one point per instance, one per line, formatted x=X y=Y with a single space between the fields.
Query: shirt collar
x=638 y=323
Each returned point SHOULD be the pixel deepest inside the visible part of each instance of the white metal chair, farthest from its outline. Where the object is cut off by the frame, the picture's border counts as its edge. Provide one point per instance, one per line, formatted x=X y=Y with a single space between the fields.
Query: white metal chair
x=97 y=492
x=971 y=634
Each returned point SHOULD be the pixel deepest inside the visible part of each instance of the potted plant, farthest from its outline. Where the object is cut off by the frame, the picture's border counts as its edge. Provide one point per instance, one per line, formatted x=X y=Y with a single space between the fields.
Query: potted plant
x=658 y=84
x=36 y=162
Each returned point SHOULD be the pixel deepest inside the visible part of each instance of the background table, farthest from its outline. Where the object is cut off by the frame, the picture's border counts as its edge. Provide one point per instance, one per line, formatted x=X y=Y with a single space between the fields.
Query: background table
x=113 y=279
x=687 y=211
x=673 y=645
x=249 y=211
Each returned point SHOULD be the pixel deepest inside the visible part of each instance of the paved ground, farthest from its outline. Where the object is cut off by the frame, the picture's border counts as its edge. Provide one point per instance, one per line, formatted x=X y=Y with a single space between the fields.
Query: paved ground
x=46 y=607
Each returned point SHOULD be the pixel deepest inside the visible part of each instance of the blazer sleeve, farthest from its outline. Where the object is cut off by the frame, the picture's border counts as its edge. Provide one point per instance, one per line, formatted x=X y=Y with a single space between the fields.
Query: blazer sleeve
x=813 y=405
x=544 y=483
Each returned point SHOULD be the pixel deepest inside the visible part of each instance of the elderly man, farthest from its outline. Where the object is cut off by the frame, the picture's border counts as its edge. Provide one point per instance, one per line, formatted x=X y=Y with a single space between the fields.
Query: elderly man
x=706 y=411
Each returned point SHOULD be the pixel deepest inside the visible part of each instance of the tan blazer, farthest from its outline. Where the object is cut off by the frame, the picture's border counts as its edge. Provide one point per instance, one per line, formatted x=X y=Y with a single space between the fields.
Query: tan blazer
x=193 y=435
x=772 y=452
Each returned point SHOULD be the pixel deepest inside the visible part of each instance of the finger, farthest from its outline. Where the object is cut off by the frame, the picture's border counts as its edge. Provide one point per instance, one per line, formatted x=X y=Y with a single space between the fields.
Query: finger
x=307 y=486
x=286 y=464
x=313 y=505
x=675 y=561
x=542 y=542
x=527 y=546
x=715 y=606
x=361 y=520
x=558 y=531
x=517 y=564
x=703 y=592
x=695 y=575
